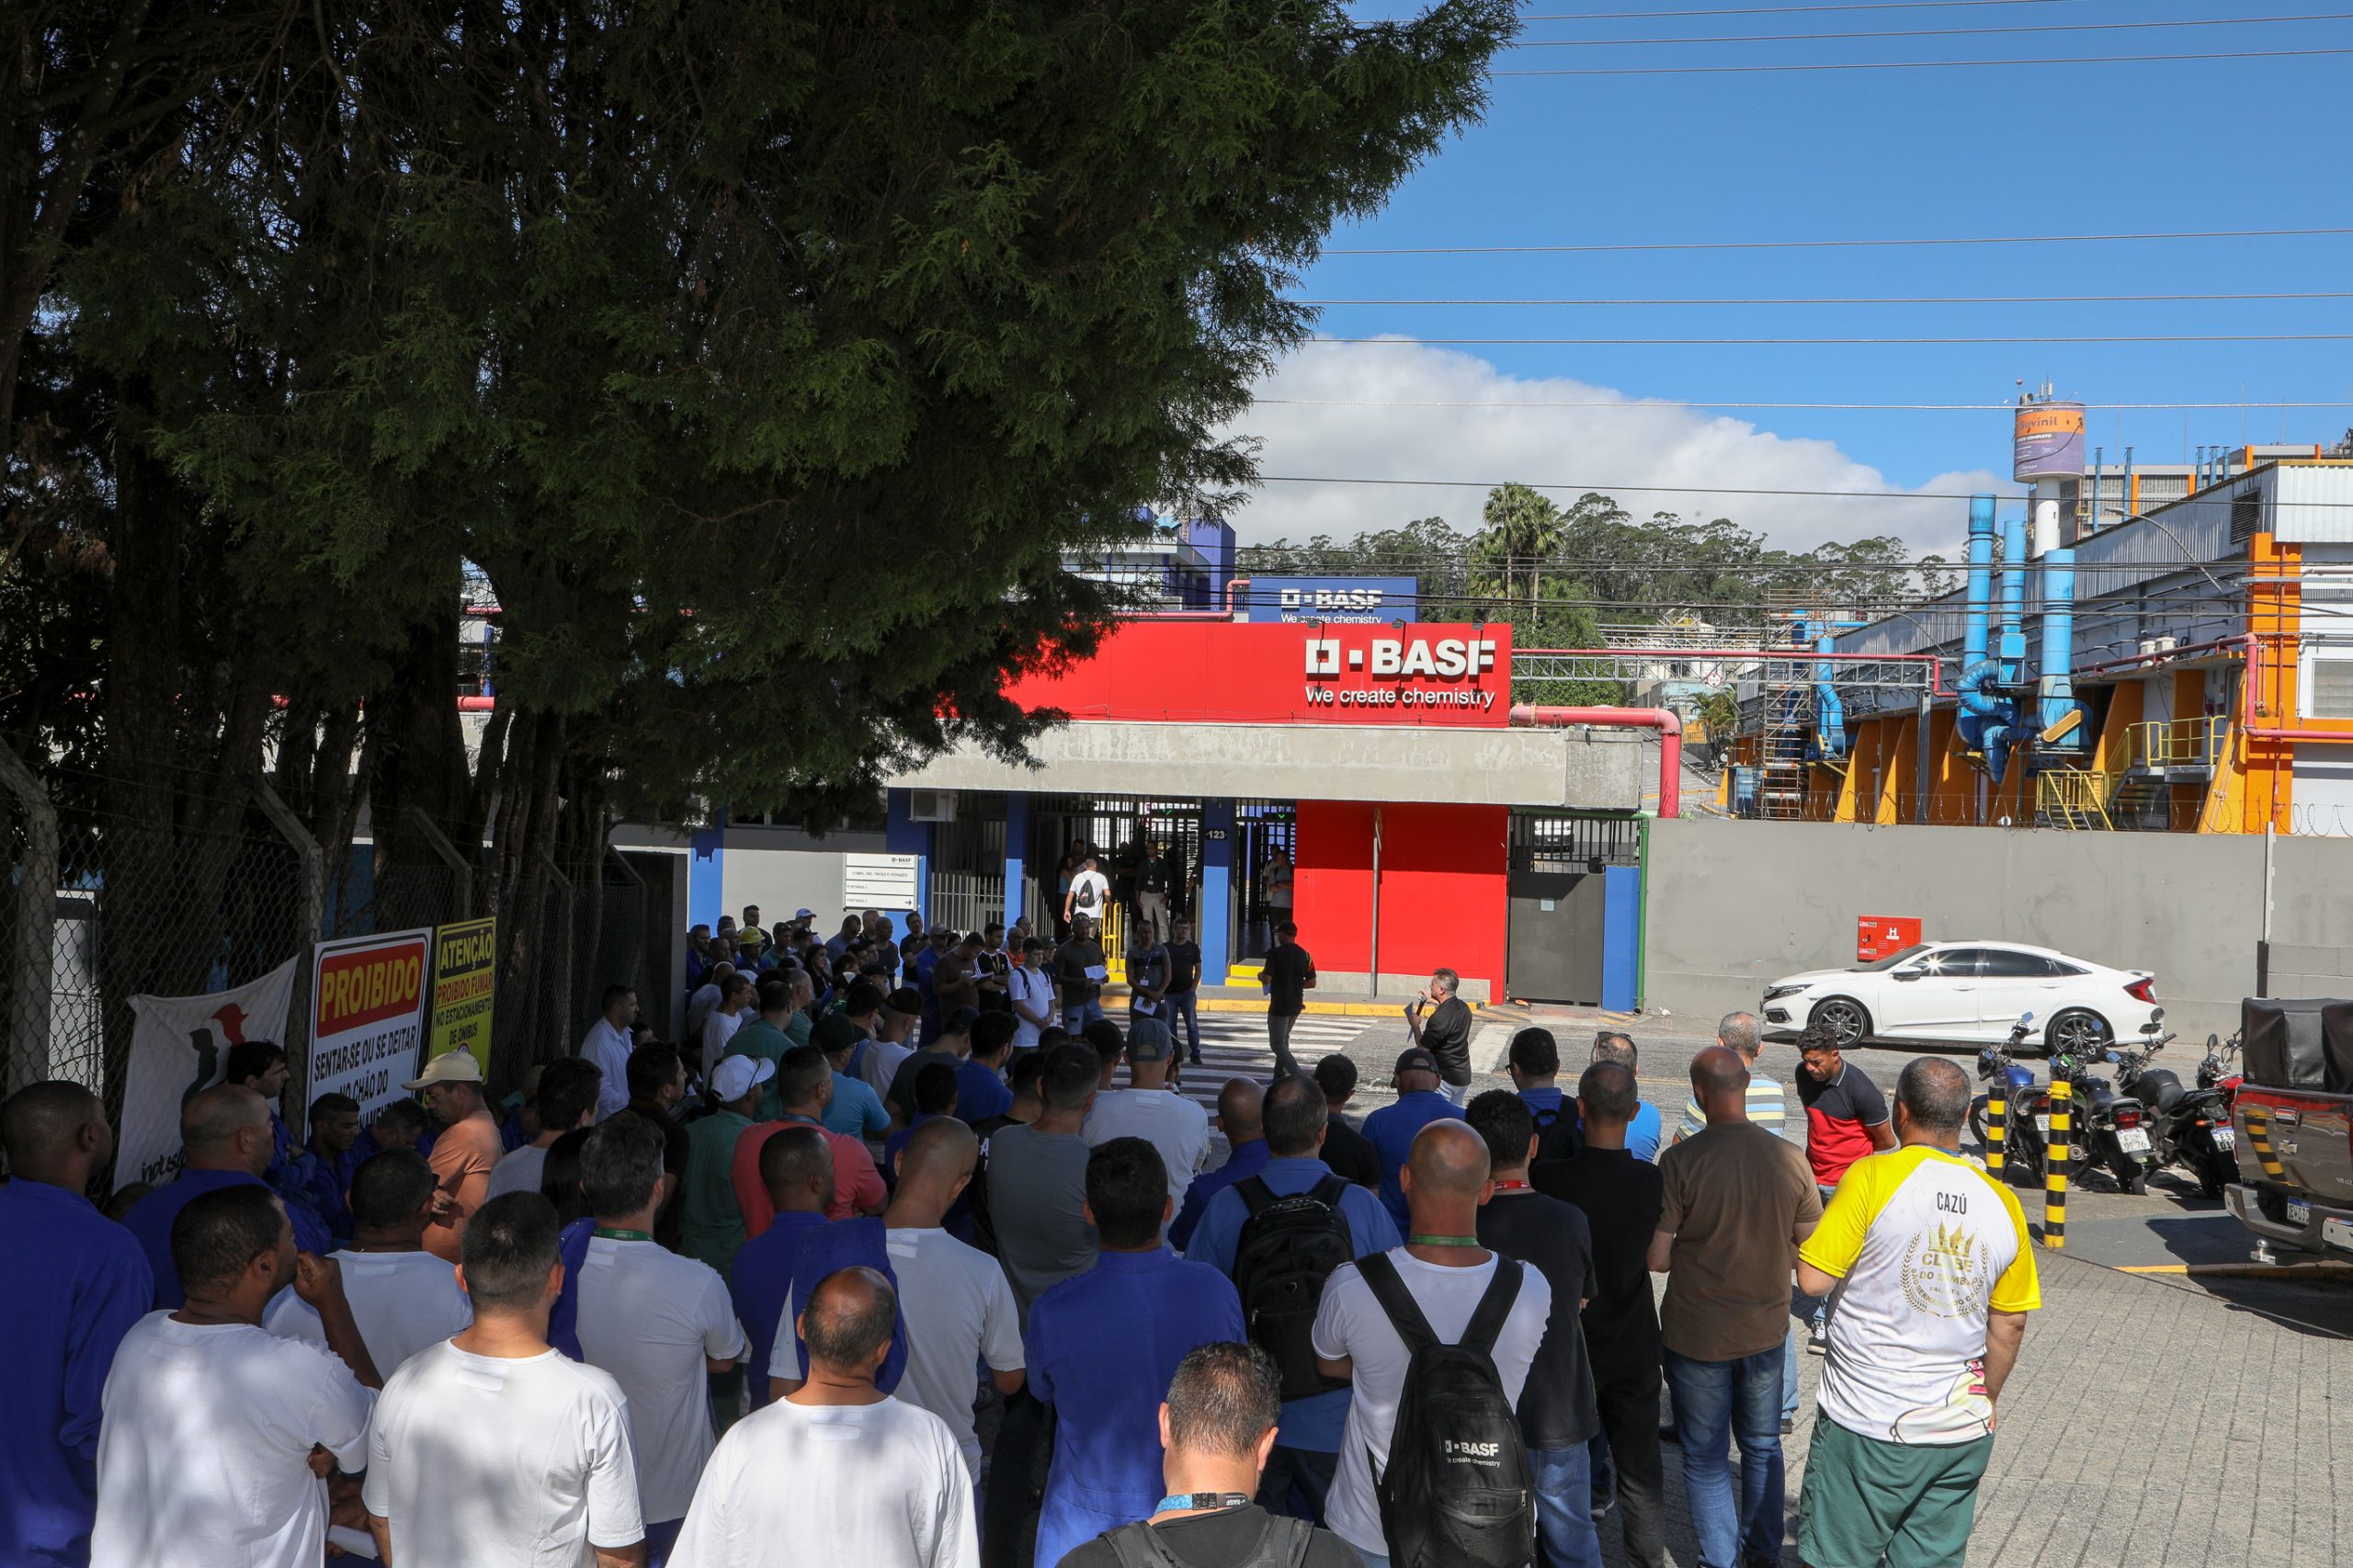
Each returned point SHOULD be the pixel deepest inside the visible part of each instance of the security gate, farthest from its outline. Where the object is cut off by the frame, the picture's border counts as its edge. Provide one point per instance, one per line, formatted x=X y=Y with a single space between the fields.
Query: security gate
x=1557 y=939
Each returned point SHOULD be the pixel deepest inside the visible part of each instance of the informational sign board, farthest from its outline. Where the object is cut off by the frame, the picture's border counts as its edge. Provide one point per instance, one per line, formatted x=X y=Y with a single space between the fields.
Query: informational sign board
x=179 y=1046
x=1331 y=599
x=465 y=973
x=879 y=882
x=1876 y=935
x=367 y=1016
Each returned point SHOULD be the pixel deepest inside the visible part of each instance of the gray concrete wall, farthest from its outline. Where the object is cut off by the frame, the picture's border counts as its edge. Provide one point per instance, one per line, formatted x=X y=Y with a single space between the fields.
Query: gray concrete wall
x=1593 y=770
x=1735 y=904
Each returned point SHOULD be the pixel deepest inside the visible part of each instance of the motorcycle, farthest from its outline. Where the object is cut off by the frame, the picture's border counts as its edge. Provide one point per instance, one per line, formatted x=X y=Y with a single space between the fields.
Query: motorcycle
x=2108 y=1134
x=2190 y=1127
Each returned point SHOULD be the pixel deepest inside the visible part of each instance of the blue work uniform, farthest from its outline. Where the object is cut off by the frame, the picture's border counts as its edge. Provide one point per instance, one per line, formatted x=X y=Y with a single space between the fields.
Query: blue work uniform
x=330 y=1177
x=981 y=1094
x=1392 y=1130
x=150 y=1222
x=1246 y=1160
x=1311 y=1423
x=82 y=1285
x=1101 y=1348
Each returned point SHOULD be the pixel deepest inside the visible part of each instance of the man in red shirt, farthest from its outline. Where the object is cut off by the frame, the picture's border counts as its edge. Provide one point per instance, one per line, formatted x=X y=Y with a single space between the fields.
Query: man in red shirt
x=804 y=1085
x=1845 y=1119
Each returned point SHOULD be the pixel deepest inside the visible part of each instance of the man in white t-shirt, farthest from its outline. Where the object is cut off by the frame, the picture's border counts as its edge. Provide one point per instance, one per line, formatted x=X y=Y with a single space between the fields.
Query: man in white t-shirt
x=1148 y=1109
x=1090 y=890
x=836 y=1474
x=492 y=1449
x=879 y=1060
x=736 y=1002
x=570 y=1095
x=608 y=1044
x=403 y=1297
x=657 y=1321
x=204 y=1445
x=960 y=1311
x=1446 y=1271
x=1030 y=990
x=706 y=998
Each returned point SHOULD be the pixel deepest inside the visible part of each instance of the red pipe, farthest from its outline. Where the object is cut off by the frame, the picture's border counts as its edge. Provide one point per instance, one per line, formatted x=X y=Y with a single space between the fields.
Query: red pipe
x=1231 y=585
x=1670 y=739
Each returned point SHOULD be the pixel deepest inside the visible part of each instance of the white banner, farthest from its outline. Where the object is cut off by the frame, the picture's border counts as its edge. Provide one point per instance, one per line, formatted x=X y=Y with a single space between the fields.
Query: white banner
x=179 y=1046
x=367 y=994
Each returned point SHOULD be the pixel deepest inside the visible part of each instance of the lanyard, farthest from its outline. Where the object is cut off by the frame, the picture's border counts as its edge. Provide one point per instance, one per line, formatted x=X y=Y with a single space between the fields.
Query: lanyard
x=1513 y=1187
x=612 y=1234
x=1195 y=1500
x=1444 y=1241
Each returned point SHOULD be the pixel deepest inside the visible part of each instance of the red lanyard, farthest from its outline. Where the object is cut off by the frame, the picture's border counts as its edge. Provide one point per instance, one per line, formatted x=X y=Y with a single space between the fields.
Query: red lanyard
x=1513 y=1187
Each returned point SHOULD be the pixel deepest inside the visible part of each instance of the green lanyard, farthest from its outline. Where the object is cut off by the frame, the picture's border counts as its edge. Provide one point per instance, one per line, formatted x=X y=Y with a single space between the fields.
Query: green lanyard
x=613 y=1235
x=1417 y=1241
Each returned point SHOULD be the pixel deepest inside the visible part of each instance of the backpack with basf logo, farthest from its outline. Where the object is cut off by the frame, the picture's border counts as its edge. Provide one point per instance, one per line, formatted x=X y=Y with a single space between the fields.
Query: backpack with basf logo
x=1457 y=1491
x=1288 y=1249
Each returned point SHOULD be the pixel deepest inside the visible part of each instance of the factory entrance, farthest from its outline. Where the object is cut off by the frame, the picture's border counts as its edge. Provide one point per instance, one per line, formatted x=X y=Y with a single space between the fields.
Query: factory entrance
x=1574 y=893
x=1118 y=830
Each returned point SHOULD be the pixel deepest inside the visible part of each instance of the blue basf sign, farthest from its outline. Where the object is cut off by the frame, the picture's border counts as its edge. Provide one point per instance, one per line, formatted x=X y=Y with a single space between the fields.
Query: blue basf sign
x=1331 y=598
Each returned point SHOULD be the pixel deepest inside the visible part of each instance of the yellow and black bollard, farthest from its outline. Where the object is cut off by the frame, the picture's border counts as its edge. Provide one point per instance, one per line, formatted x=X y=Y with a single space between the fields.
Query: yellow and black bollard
x=2059 y=1156
x=1998 y=1119
x=2258 y=1138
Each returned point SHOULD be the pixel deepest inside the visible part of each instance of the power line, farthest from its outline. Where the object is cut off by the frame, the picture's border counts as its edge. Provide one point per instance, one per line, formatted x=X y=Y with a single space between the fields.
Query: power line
x=1727 y=402
x=1929 y=33
x=1923 y=65
x=1780 y=10
x=1869 y=299
x=1847 y=342
x=1836 y=244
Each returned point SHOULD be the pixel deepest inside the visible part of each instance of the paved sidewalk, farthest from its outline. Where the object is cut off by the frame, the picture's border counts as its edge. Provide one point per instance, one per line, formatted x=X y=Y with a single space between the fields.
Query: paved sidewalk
x=2148 y=1425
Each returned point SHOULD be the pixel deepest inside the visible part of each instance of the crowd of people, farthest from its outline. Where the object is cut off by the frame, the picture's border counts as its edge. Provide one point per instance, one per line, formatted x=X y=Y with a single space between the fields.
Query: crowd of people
x=901 y=1261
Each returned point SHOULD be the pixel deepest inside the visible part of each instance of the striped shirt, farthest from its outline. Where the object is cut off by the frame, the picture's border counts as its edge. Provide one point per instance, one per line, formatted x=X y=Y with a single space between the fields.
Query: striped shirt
x=1766 y=1109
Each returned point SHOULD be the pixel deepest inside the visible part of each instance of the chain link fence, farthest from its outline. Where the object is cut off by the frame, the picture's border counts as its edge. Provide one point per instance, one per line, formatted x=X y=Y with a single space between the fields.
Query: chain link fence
x=97 y=910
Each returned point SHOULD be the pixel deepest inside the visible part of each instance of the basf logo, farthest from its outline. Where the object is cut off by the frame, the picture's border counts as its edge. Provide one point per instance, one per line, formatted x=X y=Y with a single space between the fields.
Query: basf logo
x=1416 y=671
x=1338 y=600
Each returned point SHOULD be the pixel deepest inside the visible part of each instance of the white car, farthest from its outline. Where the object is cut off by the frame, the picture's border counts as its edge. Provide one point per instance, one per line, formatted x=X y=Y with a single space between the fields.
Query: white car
x=1968 y=993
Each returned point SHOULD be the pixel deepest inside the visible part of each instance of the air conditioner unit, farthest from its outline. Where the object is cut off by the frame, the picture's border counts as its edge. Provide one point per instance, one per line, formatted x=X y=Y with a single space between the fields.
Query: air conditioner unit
x=931 y=805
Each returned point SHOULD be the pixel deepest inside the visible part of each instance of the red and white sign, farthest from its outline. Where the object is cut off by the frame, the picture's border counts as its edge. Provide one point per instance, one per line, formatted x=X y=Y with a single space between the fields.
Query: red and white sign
x=1218 y=672
x=367 y=994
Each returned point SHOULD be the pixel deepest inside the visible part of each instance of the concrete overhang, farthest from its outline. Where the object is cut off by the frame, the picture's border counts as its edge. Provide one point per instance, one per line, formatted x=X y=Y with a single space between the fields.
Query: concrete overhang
x=1586 y=769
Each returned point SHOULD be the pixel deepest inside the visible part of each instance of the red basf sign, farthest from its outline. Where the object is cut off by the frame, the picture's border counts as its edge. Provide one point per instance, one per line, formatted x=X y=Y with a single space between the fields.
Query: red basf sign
x=1222 y=672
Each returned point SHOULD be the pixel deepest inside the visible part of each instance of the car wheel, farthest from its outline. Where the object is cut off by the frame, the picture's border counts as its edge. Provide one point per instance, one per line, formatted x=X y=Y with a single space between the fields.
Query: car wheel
x=1844 y=1017
x=2078 y=1031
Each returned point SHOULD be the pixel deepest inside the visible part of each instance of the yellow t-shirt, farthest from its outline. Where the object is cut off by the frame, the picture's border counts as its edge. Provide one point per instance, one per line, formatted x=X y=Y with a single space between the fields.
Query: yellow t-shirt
x=1926 y=1245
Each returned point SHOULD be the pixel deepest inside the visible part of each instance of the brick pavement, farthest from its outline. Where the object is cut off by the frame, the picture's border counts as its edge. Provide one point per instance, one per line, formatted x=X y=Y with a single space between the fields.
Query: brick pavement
x=2148 y=1425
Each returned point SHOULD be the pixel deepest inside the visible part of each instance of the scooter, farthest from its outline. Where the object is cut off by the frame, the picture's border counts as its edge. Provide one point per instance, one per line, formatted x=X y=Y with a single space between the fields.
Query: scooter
x=2025 y=1106
x=2190 y=1127
x=2112 y=1124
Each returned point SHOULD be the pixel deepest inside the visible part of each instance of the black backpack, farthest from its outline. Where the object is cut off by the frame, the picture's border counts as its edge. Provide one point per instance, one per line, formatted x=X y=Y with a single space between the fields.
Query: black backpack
x=1558 y=1134
x=1458 y=1492
x=1281 y=1544
x=1288 y=1246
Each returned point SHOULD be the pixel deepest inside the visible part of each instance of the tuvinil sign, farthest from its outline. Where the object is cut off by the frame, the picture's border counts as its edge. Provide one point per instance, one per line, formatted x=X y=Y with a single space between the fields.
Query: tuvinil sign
x=367 y=994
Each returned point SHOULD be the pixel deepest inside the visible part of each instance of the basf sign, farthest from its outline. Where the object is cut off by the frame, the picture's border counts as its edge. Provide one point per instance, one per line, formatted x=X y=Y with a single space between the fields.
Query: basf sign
x=1290 y=600
x=1216 y=672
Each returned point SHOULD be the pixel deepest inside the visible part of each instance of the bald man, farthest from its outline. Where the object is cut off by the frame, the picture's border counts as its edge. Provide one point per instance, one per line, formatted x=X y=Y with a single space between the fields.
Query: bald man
x=893 y=1478
x=959 y=1308
x=60 y=1321
x=1238 y=1117
x=1445 y=1275
x=225 y=1141
x=1738 y=1200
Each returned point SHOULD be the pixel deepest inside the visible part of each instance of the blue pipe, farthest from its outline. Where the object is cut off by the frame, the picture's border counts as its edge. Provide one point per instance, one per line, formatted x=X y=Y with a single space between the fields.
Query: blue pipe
x=2011 y=648
x=1829 y=713
x=2056 y=688
x=1981 y=578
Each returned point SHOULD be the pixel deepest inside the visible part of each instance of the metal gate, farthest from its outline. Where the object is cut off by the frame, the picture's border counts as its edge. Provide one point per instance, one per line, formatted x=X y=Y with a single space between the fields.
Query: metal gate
x=1260 y=827
x=1558 y=902
x=1115 y=828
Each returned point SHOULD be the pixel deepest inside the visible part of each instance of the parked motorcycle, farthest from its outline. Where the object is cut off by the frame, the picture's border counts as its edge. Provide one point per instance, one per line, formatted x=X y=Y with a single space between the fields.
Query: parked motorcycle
x=2188 y=1127
x=2107 y=1126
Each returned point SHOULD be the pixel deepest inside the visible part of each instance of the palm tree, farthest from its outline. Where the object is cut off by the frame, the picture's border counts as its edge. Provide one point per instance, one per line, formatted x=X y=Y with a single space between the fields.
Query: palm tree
x=1522 y=525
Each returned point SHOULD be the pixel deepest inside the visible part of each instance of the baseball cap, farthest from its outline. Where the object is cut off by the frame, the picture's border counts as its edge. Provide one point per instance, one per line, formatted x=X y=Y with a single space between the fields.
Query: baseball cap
x=1147 y=1040
x=736 y=1076
x=805 y=912
x=450 y=1067
x=959 y=1021
x=1414 y=1058
x=905 y=999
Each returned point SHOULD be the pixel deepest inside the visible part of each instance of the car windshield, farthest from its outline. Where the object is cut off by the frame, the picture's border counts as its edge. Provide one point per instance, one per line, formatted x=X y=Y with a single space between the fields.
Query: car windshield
x=1877 y=965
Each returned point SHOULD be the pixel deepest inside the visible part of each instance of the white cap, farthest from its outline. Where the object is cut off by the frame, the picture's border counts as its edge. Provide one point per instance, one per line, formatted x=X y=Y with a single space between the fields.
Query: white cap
x=736 y=1076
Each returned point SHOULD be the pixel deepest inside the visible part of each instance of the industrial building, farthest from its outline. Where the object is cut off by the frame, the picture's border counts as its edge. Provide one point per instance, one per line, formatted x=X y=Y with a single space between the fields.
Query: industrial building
x=2187 y=667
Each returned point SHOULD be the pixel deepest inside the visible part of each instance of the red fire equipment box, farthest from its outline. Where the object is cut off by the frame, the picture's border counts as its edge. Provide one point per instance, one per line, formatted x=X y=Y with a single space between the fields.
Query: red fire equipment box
x=1876 y=935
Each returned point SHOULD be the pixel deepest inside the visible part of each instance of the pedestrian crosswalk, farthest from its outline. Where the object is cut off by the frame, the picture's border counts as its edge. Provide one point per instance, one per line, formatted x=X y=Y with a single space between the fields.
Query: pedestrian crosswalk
x=1235 y=1045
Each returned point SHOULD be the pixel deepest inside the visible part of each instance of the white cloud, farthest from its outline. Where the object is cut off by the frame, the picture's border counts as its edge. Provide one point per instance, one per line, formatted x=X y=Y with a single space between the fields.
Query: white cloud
x=1631 y=442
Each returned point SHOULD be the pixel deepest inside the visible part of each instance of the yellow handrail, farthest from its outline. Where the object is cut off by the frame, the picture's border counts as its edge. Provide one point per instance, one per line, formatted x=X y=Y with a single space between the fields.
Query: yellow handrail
x=2177 y=743
x=2070 y=794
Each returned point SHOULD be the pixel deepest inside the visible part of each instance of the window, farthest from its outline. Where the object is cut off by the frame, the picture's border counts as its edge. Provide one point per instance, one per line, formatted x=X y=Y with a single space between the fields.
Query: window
x=2001 y=964
x=2246 y=514
x=2329 y=693
x=1954 y=963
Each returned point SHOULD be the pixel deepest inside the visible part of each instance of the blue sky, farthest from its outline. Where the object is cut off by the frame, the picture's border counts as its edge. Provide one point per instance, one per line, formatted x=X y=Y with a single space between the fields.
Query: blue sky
x=2017 y=150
